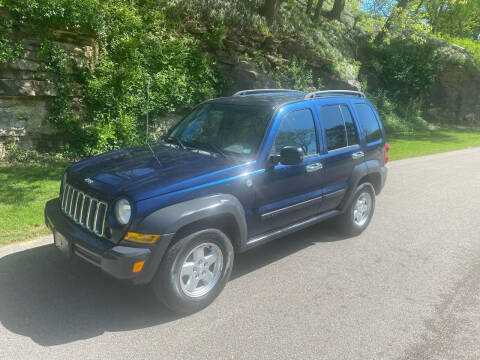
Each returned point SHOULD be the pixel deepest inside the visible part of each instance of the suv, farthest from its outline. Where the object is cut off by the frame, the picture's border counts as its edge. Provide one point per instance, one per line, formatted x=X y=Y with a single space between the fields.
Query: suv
x=235 y=173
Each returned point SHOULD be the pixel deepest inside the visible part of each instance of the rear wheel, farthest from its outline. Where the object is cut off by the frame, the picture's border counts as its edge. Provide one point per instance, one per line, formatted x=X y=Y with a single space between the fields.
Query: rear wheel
x=194 y=271
x=359 y=213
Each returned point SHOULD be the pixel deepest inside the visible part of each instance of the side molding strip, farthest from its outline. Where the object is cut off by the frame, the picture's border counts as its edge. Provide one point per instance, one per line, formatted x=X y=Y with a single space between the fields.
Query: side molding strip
x=289 y=208
x=260 y=239
x=334 y=194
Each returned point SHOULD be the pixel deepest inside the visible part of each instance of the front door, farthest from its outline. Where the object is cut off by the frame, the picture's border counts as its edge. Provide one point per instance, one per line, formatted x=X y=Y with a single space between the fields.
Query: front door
x=288 y=193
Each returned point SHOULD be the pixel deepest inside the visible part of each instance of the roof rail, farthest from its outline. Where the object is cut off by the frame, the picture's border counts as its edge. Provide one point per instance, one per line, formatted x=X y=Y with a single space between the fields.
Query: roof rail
x=326 y=93
x=264 y=91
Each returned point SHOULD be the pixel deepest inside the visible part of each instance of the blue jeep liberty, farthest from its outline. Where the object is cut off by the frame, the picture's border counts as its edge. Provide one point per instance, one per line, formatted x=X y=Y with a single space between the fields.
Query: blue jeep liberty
x=235 y=173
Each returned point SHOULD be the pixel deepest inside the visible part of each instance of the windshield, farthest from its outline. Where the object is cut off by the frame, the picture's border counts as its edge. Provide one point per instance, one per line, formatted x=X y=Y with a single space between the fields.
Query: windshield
x=222 y=128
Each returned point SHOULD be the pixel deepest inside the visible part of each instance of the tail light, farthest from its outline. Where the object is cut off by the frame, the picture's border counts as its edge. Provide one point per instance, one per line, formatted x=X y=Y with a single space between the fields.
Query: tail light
x=385 y=153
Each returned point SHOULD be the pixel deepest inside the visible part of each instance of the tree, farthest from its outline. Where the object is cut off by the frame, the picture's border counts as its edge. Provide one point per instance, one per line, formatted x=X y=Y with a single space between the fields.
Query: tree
x=309 y=7
x=452 y=17
x=399 y=8
x=270 y=11
x=337 y=9
x=318 y=9
x=456 y=18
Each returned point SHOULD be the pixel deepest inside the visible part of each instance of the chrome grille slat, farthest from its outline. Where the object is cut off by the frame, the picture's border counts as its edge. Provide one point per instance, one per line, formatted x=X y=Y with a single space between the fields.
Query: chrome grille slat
x=80 y=217
x=94 y=227
x=93 y=210
x=74 y=205
x=86 y=209
x=65 y=191
x=77 y=209
x=87 y=220
x=103 y=222
x=70 y=200
x=66 y=197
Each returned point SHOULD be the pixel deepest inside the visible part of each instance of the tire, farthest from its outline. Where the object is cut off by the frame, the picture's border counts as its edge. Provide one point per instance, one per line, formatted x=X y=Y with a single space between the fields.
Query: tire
x=185 y=282
x=354 y=223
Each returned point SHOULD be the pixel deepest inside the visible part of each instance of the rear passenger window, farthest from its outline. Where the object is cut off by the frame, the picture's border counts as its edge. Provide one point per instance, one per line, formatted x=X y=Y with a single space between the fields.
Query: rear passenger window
x=349 y=125
x=334 y=127
x=297 y=129
x=369 y=122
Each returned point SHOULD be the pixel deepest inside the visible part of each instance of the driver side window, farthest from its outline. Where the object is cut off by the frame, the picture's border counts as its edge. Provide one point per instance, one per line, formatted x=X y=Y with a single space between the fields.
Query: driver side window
x=297 y=129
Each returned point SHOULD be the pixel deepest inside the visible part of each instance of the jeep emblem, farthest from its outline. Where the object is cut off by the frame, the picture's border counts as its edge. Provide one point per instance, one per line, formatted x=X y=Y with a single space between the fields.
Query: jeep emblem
x=88 y=181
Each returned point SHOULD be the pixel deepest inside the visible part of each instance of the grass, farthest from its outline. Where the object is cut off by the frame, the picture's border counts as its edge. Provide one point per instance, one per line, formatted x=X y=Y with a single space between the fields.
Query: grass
x=24 y=189
x=432 y=142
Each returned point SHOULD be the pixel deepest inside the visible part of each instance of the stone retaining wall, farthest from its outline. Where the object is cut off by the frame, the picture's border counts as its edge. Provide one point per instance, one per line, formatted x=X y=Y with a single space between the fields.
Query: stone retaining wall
x=26 y=94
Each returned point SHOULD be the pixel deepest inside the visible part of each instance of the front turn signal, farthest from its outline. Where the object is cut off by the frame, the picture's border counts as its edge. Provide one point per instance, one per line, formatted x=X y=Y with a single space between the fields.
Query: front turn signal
x=138 y=266
x=141 y=238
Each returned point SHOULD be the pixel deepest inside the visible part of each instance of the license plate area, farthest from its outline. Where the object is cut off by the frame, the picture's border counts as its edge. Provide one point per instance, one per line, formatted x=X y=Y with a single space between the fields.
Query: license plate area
x=62 y=243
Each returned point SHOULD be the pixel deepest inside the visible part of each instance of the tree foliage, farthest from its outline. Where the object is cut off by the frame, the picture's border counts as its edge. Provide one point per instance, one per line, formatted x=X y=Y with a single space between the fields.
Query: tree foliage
x=405 y=69
x=459 y=18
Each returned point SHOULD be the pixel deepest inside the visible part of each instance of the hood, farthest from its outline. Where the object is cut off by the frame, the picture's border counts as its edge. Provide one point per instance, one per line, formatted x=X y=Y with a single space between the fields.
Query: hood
x=137 y=173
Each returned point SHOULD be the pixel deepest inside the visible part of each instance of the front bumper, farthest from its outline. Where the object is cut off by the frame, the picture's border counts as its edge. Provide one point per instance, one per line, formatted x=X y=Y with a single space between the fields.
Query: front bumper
x=115 y=260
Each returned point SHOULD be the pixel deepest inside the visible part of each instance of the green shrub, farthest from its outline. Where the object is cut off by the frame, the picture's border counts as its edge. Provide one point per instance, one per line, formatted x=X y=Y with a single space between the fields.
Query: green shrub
x=398 y=118
x=9 y=51
x=69 y=14
x=140 y=53
x=216 y=12
x=406 y=69
x=335 y=42
x=473 y=46
x=15 y=154
x=293 y=75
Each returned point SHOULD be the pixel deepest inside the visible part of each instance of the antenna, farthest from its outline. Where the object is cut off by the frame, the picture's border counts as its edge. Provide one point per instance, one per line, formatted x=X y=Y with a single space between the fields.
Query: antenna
x=146 y=131
x=148 y=107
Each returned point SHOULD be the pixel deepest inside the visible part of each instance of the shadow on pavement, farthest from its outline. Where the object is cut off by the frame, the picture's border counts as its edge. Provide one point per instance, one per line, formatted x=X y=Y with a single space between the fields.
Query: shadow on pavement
x=55 y=301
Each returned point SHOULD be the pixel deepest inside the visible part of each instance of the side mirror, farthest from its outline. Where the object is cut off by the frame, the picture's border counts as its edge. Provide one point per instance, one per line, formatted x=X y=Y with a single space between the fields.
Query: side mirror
x=291 y=155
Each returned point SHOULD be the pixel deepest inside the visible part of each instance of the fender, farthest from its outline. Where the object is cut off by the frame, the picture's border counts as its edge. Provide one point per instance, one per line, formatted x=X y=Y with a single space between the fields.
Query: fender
x=170 y=219
x=167 y=221
x=359 y=171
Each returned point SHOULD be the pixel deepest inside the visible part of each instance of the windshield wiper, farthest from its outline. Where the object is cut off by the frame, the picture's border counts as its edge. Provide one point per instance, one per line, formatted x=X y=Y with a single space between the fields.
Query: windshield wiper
x=178 y=141
x=216 y=149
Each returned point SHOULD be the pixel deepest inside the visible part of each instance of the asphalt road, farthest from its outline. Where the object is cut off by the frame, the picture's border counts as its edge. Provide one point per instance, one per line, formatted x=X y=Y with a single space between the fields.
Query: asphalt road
x=408 y=288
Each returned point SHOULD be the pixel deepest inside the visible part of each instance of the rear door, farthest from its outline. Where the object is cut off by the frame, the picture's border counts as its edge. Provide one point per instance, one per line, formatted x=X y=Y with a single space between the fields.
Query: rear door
x=371 y=131
x=343 y=151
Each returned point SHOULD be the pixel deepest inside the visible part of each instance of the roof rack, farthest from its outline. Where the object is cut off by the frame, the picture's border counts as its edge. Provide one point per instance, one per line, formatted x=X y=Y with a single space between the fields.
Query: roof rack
x=264 y=91
x=327 y=93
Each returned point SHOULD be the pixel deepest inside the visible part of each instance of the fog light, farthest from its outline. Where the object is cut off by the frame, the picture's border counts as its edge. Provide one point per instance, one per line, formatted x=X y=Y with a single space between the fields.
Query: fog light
x=138 y=266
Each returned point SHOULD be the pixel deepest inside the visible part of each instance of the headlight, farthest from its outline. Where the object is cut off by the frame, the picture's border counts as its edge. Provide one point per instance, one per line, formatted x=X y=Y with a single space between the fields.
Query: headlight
x=123 y=211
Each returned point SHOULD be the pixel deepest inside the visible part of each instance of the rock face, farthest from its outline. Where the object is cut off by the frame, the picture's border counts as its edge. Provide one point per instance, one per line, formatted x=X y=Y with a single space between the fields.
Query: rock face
x=270 y=53
x=453 y=99
x=455 y=96
x=25 y=93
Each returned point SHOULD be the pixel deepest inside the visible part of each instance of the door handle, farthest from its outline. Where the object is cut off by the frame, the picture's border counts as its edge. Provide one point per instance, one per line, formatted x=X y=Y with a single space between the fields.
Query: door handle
x=313 y=167
x=358 y=155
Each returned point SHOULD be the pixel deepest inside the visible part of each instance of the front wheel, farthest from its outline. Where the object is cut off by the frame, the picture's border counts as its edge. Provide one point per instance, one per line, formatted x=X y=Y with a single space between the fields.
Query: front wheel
x=194 y=271
x=359 y=213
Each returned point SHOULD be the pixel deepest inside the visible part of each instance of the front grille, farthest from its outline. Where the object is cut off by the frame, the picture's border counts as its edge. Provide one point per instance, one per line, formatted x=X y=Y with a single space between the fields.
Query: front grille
x=85 y=210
